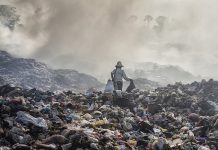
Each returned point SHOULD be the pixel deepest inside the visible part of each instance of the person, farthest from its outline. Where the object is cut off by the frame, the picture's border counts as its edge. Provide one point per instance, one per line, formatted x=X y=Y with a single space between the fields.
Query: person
x=118 y=75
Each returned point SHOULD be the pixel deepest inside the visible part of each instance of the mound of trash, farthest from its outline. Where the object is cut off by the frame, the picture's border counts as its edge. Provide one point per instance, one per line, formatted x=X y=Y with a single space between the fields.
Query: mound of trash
x=173 y=117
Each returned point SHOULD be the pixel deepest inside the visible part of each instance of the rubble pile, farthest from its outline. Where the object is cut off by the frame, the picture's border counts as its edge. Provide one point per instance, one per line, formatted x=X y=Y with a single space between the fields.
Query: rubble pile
x=173 y=117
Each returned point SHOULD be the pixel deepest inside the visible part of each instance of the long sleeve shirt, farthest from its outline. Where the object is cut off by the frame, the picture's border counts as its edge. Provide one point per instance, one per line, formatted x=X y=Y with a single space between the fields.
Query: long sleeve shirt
x=118 y=75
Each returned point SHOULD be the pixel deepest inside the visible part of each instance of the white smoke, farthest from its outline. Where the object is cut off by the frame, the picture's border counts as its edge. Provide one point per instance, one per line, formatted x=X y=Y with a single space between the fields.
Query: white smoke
x=29 y=34
x=90 y=36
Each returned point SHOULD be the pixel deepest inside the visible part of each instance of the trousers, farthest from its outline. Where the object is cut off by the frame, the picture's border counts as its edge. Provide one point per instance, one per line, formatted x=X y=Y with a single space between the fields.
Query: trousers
x=118 y=85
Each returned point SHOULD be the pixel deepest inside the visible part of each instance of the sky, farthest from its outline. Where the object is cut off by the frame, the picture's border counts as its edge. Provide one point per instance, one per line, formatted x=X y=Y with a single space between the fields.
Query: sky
x=92 y=35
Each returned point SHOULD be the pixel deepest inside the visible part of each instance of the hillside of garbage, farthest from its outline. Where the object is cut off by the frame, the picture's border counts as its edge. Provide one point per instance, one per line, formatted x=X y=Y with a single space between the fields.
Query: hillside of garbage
x=179 y=116
x=29 y=73
x=162 y=74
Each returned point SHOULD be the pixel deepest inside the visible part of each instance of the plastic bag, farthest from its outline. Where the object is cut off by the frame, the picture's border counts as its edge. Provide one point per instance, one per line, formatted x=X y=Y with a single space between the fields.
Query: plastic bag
x=214 y=105
x=101 y=122
x=26 y=119
x=131 y=86
x=72 y=116
x=109 y=88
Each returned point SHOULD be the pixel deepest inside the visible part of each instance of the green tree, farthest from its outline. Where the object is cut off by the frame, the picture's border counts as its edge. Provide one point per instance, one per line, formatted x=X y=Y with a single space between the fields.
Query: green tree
x=148 y=19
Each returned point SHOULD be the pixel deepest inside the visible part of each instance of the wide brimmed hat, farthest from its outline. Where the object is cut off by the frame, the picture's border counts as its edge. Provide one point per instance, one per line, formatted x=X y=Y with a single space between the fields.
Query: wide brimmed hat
x=119 y=64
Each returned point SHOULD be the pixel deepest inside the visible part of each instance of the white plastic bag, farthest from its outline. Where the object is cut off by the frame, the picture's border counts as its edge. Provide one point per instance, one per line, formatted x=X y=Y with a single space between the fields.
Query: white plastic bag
x=109 y=88
x=26 y=119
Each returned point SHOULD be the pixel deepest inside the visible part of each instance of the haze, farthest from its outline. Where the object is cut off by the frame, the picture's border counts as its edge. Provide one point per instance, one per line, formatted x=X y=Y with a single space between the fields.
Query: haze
x=92 y=35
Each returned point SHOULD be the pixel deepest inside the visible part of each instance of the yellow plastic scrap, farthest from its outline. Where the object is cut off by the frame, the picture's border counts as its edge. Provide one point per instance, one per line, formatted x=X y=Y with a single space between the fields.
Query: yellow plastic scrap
x=101 y=122
x=132 y=142
x=163 y=130
x=117 y=148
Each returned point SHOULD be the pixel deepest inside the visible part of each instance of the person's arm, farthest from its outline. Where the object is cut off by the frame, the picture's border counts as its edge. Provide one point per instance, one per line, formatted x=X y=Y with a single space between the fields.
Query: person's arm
x=125 y=77
x=112 y=75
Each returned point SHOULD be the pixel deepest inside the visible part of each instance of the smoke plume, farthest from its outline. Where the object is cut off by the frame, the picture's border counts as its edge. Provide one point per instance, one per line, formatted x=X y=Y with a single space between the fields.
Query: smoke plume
x=90 y=36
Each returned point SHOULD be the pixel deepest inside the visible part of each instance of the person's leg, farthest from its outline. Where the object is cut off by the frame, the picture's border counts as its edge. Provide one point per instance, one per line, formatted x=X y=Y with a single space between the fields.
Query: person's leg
x=120 y=85
x=115 y=86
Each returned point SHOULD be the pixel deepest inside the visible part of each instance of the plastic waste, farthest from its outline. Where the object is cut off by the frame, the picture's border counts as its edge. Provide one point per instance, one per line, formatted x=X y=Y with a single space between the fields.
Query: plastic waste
x=127 y=126
x=203 y=148
x=71 y=117
x=18 y=136
x=131 y=86
x=216 y=134
x=91 y=106
x=109 y=88
x=88 y=116
x=214 y=105
x=46 y=109
x=90 y=92
x=27 y=119
x=144 y=120
x=118 y=93
x=101 y=122
x=132 y=142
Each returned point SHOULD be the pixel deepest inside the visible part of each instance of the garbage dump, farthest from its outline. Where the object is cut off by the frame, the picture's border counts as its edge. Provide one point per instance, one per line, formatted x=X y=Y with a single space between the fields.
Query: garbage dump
x=173 y=117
